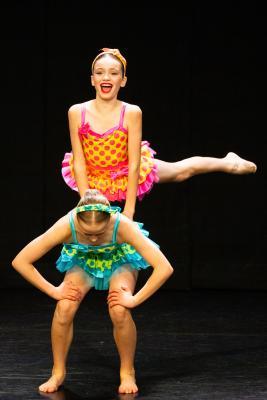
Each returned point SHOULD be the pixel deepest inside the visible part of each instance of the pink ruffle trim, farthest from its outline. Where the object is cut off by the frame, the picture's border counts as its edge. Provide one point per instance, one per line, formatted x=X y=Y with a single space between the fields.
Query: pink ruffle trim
x=66 y=172
x=143 y=188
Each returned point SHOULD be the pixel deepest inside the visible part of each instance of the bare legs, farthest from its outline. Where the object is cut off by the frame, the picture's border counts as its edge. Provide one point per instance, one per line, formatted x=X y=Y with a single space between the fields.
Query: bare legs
x=181 y=170
x=124 y=331
x=62 y=331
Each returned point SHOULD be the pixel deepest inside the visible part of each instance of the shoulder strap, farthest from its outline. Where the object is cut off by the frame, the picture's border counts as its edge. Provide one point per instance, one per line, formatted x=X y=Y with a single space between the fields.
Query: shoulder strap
x=115 y=229
x=122 y=115
x=72 y=227
x=83 y=110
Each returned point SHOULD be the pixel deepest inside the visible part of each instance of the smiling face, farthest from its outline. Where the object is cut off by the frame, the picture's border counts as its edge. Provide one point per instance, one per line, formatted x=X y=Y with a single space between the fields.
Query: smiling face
x=107 y=76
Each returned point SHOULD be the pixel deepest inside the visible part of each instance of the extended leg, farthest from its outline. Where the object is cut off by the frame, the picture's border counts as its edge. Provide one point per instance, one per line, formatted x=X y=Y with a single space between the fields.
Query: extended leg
x=62 y=330
x=124 y=331
x=181 y=170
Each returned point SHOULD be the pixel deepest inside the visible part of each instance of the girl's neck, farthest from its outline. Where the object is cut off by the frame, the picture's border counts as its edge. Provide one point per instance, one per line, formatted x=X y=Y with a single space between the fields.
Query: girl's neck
x=103 y=106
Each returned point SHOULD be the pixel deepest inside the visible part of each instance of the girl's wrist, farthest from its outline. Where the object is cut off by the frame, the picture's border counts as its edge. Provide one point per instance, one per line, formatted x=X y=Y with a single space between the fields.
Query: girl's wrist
x=53 y=292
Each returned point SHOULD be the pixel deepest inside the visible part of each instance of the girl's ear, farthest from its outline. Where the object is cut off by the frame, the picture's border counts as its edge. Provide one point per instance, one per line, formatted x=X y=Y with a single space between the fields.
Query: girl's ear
x=92 y=81
x=124 y=81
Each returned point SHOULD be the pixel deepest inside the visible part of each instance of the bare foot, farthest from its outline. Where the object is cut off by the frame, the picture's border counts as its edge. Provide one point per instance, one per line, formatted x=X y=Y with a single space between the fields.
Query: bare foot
x=53 y=383
x=59 y=395
x=127 y=396
x=239 y=166
x=128 y=384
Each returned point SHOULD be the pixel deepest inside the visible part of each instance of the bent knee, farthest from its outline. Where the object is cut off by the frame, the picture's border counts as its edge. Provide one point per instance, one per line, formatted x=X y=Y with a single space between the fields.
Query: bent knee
x=119 y=314
x=66 y=310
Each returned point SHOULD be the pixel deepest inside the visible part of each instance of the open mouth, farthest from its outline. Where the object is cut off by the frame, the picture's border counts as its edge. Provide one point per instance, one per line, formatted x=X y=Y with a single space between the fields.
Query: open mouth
x=106 y=87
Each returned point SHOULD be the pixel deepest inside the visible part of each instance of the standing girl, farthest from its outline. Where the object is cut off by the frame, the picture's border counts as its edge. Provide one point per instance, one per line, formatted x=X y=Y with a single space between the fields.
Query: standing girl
x=108 y=153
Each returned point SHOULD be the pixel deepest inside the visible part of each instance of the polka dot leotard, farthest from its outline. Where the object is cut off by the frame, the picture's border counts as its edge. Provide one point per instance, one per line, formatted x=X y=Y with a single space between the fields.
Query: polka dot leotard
x=106 y=158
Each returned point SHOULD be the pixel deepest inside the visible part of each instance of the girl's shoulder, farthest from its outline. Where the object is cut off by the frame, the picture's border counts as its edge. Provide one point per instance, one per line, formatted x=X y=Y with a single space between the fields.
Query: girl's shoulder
x=133 y=113
x=62 y=223
x=60 y=231
x=126 y=229
x=132 y=108
x=76 y=108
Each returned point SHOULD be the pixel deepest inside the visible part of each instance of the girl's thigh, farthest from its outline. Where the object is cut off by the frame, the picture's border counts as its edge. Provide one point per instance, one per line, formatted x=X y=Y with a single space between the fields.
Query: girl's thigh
x=124 y=276
x=78 y=277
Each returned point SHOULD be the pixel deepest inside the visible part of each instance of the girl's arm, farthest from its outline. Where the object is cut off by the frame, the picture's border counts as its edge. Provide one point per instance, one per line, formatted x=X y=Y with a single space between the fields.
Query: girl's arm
x=162 y=269
x=79 y=164
x=134 y=123
x=37 y=248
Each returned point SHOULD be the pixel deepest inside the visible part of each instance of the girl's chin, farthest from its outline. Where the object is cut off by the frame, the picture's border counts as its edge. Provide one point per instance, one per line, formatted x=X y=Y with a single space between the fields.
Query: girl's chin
x=107 y=96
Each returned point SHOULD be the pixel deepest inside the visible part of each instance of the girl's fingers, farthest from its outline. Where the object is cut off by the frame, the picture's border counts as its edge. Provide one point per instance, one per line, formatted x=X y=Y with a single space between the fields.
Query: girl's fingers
x=71 y=298
x=72 y=285
x=110 y=300
x=113 y=291
x=75 y=292
x=75 y=296
x=113 y=299
x=113 y=303
x=113 y=296
x=71 y=295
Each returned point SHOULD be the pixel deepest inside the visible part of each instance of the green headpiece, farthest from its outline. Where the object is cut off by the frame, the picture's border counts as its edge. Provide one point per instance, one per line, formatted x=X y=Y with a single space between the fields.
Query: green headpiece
x=98 y=207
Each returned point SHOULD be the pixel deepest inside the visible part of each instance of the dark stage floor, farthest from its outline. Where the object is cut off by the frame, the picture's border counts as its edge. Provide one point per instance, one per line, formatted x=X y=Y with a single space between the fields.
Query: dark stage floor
x=192 y=345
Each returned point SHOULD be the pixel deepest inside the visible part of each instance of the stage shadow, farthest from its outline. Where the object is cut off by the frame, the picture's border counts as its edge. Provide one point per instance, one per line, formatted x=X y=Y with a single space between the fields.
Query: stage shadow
x=67 y=394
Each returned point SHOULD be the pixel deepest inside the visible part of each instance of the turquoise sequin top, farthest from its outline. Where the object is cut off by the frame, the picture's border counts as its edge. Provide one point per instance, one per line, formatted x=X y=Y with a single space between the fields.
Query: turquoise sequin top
x=100 y=262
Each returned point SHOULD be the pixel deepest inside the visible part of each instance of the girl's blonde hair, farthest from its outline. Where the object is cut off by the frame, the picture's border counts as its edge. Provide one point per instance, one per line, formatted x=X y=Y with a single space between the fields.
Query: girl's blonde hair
x=93 y=196
x=115 y=53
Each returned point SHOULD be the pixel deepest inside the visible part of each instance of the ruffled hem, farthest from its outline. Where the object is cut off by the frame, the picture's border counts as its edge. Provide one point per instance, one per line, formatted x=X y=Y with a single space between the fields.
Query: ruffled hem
x=67 y=171
x=100 y=262
x=144 y=187
x=100 y=279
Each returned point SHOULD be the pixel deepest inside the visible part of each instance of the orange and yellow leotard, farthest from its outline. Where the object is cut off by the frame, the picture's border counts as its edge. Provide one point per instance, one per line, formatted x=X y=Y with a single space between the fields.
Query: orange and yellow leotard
x=106 y=158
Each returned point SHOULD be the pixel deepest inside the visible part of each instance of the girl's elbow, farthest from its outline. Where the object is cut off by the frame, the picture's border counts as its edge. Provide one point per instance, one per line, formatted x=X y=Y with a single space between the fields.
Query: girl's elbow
x=14 y=263
x=170 y=270
x=166 y=270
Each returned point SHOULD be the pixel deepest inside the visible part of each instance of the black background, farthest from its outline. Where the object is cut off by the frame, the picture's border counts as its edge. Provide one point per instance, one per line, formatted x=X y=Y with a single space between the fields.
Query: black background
x=198 y=72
